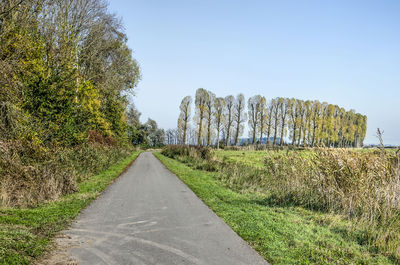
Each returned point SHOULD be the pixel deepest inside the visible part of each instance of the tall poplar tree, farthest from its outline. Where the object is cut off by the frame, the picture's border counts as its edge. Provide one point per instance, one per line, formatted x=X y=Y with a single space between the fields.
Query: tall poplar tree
x=262 y=117
x=219 y=116
x=209 y=115
x=184 y=117
x=253 y=106
x=201 y=109
x=239 y=116
x=229 y=107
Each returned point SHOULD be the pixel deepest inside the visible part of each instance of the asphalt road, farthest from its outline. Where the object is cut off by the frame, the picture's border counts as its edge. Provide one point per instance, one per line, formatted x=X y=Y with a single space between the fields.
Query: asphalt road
x=148 y=216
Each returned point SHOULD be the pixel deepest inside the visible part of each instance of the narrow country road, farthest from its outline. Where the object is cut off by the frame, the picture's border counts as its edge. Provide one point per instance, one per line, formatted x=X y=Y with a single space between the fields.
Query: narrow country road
x=148 y=216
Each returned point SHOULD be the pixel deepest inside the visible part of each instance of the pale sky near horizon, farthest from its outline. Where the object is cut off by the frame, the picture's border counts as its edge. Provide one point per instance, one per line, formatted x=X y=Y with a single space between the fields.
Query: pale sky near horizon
x=344 y=52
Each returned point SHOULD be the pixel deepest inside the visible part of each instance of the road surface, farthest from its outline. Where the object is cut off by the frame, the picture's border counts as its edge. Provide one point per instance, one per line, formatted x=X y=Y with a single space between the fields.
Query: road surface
x=148 y=216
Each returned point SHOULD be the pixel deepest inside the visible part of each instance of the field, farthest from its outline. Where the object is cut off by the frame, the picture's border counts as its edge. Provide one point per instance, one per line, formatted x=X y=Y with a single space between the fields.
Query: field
x=250 y=158
x=316 y=206
x=257 y=158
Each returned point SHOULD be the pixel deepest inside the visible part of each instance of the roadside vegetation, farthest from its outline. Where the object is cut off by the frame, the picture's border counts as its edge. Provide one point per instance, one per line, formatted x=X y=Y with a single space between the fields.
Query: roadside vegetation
x=26 y=232
x=351 y=194
x=66 y=74
x=65 y=71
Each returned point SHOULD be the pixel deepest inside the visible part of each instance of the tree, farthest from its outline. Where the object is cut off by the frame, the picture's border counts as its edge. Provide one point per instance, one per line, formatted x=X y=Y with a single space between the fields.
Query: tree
x=276 y=108
x=253 y=106
x=169 y=137
x=200 y=105
x=219 y=116
x=262 y=117
x=309 y=123
x=155 y=135
x=135 y=133
x=284 y=108
x=192 y=136
x=67 y=65
x=133 y=116
x=184 y=116
x=306 y=122
x=301 y=121
x=329 y=136
x=270 y=107
x=316 y=121
x=229 y=103
x=294 y=113
x=209 y=115
x=239 y=116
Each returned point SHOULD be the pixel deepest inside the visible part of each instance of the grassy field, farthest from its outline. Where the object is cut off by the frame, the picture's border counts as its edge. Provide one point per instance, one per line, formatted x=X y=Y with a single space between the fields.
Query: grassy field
x=253 y=158
x=256 y=158
x=282 y=233
x=25 y=233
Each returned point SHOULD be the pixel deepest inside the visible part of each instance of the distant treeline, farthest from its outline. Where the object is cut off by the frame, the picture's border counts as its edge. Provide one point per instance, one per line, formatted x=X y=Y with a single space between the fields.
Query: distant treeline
x=220 y=120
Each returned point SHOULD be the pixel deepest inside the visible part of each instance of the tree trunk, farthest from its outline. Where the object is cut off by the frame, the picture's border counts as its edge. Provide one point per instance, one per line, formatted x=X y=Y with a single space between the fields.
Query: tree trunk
x=282 y=130
x=184 y=133
x=218 y=137
x=209 y=132
x=237 y=134
x=228 y=129
x=237 y=128
x=254 y=134
x=227 y=136
x=200 y=126
x=294 y=134
x=275 y=133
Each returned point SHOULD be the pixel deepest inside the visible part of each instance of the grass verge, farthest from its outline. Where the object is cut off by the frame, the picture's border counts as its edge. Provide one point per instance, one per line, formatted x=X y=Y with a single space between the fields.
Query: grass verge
x=281 y=234
x=25 y=233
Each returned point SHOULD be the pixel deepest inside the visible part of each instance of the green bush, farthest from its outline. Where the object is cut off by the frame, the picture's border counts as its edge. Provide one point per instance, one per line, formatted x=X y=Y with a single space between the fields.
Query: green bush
x=200 y=152
x=31 y=173
x=196 y=156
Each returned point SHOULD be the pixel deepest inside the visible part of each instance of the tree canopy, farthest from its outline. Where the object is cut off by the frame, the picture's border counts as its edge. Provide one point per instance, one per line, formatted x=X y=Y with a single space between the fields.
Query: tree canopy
x=305 y=123
x=66 y=67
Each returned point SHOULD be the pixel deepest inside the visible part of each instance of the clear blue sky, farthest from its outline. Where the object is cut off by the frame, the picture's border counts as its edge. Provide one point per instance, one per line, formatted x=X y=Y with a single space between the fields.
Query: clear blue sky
x=342 y=52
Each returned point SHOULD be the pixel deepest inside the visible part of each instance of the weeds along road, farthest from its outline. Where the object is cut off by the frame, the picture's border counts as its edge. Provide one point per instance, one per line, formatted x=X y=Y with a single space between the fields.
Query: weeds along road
x=148 y=216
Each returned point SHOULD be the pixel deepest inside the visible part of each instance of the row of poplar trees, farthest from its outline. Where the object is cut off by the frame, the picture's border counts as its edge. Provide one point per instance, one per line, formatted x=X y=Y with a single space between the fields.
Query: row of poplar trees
x=66 y=67
x=303 y=123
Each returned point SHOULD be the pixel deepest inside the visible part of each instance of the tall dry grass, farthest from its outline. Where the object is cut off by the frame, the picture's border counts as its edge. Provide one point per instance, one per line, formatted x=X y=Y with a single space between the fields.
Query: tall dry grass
x=363 y=186
x=31 y=174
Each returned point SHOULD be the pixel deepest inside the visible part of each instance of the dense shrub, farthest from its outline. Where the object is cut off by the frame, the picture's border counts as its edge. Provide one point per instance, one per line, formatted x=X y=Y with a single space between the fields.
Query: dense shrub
x=30 y=174
x=174 y=151
x=196 y=156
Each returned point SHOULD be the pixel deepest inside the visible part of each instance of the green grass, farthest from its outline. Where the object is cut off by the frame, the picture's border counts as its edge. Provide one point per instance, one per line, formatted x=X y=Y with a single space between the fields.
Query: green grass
x=256 y=158
x=25 y=233
x=251 y=158
x=282 y=235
